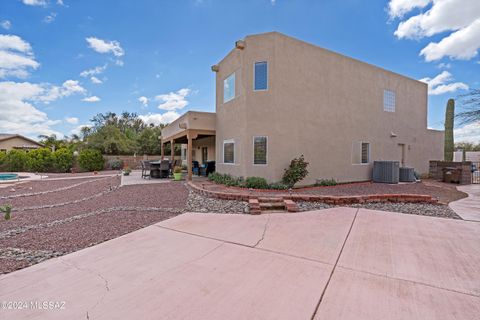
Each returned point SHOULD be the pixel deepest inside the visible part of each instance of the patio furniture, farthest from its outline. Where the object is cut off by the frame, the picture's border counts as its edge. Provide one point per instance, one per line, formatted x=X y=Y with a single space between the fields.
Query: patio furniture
x=155 y=169
x=164 y=168
x=207 y=168
x=195 y=168
x=145 y=168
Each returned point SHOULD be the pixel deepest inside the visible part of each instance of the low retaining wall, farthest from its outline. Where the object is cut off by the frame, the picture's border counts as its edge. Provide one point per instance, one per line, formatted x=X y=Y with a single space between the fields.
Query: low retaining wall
x=436 y=170
x=337 y=200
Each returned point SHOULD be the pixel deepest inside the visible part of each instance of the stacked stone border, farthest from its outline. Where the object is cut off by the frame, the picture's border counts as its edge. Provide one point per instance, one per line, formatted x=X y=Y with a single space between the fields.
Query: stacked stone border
x=334 y=200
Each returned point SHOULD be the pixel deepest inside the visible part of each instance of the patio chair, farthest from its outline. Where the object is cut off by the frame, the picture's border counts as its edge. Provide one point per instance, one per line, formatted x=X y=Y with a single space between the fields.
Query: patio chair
x=210 y=168
x=195 y=168
x=164 y=168
x=146 y=167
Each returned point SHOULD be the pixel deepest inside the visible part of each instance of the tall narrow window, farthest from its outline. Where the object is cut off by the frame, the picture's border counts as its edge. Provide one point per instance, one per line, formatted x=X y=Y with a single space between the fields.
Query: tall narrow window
x=259 y=150
x=261 y=76
x=388 y=101
x=229 y=88
x=365 y=152
x=228 y=151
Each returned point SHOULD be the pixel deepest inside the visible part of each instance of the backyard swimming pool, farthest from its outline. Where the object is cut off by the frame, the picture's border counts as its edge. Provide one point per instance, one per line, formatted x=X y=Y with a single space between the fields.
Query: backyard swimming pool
x=8 y=176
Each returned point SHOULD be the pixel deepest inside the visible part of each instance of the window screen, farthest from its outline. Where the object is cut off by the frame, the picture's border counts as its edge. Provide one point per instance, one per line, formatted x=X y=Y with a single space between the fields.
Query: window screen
x=365 y=152
x=229 y=88
x=388 y=101
x=260 y=150
x=228 y=152
x=261 y=75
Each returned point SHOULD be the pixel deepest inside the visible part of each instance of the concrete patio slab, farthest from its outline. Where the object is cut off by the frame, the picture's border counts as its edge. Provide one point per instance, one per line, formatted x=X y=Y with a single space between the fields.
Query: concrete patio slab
x=135 y=177
x=443 y=253
x=468 y=208
x=361 y=296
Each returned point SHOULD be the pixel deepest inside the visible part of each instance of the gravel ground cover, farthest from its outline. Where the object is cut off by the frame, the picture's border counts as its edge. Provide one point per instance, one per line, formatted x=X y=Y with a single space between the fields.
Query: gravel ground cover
x=199 y=203
x=81 y=174
x=32 y=236
x=29 y=187
x=83 y=190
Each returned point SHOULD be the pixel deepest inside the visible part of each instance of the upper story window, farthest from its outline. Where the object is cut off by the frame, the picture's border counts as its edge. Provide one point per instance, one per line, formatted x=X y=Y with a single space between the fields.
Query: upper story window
x=261 y=76
x=229 y=88
x=260 y=150
x=388 y=100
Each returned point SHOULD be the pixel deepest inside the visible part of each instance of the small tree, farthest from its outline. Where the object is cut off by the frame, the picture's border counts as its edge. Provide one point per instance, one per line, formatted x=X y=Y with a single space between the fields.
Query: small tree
x=90 y=160
x=449 y=117
x=296 y=171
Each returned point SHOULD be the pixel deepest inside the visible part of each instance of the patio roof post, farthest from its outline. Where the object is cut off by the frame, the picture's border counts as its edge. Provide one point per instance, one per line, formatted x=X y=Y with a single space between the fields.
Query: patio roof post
x=172 y=150
x=162 y=149
x=189 y=157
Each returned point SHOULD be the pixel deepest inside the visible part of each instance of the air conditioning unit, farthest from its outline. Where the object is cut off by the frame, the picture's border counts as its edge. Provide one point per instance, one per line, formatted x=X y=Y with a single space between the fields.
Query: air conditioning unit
x=386 y=171
x=407 y=174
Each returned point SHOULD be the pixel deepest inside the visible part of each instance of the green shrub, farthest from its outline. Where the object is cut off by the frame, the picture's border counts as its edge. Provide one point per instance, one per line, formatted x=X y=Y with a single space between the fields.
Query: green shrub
x=7 y=210
x=278 y=186
x=296 y=171
x=62 y=160
x=90 y=160
x=3 y=155
x=256 y=183
x=40 y=160
x=225 y=179
x=115 y=164
x=326 y=182
x=15 y=160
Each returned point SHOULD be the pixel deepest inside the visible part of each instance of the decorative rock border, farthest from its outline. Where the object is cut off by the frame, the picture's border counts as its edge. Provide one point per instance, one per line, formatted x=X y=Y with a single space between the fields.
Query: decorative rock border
x=335 y=200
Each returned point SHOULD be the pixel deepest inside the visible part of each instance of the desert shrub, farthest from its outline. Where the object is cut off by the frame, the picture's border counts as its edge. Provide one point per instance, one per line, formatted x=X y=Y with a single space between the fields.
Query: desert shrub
x=225 y=179
x=256 y=183
x=15 y=160
x=3 y=155
x=7 y=211
x=326 y=182
x=40 y=160
x=90 y=160
x=296 y=171
x=62 y=160
x=115 y=164
x=278 y=186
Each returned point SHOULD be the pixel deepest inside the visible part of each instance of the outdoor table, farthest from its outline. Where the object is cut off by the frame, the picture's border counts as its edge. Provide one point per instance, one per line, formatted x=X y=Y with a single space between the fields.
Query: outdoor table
x=155 y=169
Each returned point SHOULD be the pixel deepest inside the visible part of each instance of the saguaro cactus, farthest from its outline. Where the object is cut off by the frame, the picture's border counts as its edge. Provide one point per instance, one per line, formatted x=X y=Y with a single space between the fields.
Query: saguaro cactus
x=449 y=116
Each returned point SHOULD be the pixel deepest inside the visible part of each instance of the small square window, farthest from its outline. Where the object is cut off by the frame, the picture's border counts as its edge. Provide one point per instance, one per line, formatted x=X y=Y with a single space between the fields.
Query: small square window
x=365 y=152
x=229 y=88
x=228 y=151
x=259 y=150
x=388 y=101
x=261 y=76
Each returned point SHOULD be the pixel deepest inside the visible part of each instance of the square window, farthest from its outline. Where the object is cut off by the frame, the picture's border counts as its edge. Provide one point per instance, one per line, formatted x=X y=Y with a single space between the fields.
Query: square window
x=228 y=151
x=388 y=101
x=261 y=76
x=229 y=88
x=259 y=150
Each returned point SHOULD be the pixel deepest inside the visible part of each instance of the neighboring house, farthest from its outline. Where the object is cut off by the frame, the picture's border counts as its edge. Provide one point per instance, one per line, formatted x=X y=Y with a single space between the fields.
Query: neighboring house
x=278 y=98
x=16 y=141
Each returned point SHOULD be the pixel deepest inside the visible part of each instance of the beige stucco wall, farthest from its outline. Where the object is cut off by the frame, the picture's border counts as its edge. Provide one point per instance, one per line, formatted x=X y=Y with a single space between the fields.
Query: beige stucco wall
x=319 y=104
x=9 y=144
x=191 y=120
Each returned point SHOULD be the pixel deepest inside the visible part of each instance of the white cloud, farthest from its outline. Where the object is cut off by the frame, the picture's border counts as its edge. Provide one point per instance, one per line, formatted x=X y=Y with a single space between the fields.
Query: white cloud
x=468 y=133
x=68 y=88
x=173 y=100
x=157 y=118
x=444 y=65
x=91 y=99
x=461 y=17
x=105 y=46
x=6 y=24
x=95 y=80
x=398 y=8
x=94 y=71
x=35 y=2
x=119 y=63
x=143 y=100
x=16 y=57
x=50 y=18
x=60 y=2
x=71 y=120
x=438 y=85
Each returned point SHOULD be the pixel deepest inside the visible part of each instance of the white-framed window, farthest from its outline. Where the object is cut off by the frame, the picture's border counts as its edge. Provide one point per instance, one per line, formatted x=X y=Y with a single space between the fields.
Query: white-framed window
x=229 y=151
x=365 y=152
x=389 y=100
x=229 y=88
x=260 y=74
x=260 y=150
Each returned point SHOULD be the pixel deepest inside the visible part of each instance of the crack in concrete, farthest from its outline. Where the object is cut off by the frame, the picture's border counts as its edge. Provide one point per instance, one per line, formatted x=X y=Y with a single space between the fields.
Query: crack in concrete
x=264 y=231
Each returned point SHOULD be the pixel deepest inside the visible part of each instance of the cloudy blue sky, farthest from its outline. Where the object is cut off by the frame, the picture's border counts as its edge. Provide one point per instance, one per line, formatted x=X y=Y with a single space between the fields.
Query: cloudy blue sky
x=61 y=62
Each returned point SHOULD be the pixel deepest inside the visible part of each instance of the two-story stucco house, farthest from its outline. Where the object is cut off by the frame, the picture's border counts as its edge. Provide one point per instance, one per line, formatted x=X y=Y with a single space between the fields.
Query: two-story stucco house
x=278 y=98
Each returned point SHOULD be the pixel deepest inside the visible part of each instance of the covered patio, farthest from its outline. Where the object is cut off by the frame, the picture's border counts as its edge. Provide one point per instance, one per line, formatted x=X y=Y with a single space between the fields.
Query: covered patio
x=194 y=129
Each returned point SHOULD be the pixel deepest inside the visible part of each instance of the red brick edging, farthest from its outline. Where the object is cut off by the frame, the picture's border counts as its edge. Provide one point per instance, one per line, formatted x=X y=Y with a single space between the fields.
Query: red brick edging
x=338 y=200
